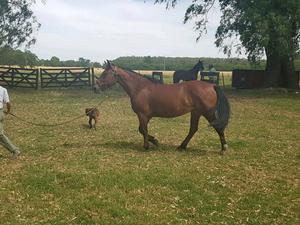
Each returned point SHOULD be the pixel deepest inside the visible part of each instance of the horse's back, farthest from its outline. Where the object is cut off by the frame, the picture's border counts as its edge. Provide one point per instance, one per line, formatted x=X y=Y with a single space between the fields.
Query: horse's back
x=181 y=98
x=203 y=91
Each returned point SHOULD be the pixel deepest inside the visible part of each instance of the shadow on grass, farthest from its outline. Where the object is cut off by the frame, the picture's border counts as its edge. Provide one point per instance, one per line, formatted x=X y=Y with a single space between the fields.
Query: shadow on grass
x=261 y=93
x=123 y=145
x=87 y=127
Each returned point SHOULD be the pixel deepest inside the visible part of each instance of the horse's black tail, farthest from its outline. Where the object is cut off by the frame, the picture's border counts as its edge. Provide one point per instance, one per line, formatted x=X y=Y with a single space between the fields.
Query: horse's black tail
x=222 y=112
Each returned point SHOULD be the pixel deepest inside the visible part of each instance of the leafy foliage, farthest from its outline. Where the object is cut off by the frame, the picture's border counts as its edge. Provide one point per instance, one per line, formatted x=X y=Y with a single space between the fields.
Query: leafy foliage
x=184 y=63
x=17 y=23
x=260 y=27
x=10 y=56
x=258 y=22
x=249 y=24
x=81 y=62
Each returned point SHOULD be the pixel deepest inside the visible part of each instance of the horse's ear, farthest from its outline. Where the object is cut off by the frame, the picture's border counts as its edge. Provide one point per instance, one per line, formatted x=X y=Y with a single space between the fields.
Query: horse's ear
x=108 y=64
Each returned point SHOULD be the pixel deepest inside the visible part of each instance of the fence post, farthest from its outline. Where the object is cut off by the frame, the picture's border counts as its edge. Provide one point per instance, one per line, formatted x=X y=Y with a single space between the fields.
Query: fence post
x=223 y=80
x=93 y=77
x=66 y=79
x=13 y=77
x=38 y=77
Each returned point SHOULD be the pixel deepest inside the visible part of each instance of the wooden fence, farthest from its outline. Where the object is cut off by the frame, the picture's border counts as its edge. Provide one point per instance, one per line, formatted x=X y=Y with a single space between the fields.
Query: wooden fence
x=46 y=77
x=80 y=77
x=249 y=79
x=19 y=77
x=66 y=77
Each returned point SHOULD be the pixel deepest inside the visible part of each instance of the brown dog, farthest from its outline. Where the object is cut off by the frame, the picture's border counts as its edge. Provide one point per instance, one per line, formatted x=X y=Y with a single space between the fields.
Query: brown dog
x=93 y=114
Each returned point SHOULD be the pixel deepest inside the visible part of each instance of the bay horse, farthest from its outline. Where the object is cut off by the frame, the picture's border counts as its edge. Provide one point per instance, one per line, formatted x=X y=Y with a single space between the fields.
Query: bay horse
x=187 y=75
x=170 y=100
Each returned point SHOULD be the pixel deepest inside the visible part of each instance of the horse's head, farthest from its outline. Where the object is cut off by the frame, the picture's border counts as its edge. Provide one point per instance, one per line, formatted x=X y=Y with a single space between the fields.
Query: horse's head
x=107 y=78
x=199 y=65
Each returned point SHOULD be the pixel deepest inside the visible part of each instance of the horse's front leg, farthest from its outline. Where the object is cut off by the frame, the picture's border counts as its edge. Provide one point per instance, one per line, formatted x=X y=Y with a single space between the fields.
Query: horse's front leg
x=90 y=123
x=143 y=120
x=152 y=139
x=95 y=123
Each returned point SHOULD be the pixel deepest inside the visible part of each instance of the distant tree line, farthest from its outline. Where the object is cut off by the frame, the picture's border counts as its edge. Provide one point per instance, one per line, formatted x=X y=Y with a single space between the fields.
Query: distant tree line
x=56 y=62
x=184 y=63
x=10 y=57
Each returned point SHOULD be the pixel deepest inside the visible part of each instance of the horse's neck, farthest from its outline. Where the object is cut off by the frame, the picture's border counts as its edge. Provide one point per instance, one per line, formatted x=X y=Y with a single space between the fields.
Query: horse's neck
x=196 y=68
x=130 y=82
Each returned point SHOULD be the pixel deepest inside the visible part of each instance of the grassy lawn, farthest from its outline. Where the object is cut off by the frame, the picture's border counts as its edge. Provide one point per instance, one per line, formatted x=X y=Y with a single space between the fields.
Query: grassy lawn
x=73 y=175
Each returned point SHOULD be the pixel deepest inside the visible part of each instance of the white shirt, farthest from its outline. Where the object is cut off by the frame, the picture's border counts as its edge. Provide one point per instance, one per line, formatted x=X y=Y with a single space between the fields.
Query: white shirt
x=4 y=98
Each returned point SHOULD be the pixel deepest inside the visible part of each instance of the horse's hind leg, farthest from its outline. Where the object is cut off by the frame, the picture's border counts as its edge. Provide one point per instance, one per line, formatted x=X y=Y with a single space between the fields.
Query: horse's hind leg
x=222 y=139
x=211 y=118
x=194 y=122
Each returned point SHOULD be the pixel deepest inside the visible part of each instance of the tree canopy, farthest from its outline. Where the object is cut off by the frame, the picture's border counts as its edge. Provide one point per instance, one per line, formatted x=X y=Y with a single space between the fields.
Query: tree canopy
x=17 y=23
x=260 y=27
x=183 y=63
x=255 y=22
x=16 y=57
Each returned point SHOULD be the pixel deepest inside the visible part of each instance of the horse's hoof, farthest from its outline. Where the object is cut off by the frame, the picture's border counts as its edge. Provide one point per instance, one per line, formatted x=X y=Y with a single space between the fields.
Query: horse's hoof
x=181 y=148
x=146 y=147
x=225 y=147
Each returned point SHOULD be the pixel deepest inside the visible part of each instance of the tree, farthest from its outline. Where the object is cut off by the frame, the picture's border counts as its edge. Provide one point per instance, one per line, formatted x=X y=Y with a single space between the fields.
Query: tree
x=10 y=56
x=96 y=64
x=84 y=62
x=260 y=27
x=17 y=23
x=54 y=61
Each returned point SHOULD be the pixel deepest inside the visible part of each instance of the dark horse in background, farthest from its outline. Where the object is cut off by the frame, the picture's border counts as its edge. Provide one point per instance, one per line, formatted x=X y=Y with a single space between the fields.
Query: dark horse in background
x=170 y=100
x=187 y=75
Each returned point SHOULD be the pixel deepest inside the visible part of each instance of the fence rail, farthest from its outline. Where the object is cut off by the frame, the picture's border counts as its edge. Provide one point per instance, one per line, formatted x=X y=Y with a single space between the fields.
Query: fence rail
x=46 y=77
x=19 y=77
x=85 y=76
x=65 y=77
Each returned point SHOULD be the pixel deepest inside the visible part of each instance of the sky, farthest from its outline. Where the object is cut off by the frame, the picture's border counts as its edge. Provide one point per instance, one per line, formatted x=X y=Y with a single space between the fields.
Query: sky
x=101 y=29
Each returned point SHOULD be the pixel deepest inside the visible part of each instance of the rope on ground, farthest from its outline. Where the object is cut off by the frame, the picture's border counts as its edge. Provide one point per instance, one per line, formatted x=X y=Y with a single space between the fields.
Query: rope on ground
x=54 y=124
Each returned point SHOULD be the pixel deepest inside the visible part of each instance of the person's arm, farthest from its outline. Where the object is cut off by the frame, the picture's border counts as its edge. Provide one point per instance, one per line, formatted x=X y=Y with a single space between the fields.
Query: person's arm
x=6 y=101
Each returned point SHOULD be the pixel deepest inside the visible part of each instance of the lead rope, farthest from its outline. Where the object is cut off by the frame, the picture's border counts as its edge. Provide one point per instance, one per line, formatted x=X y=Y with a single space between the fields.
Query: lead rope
x=54 y=124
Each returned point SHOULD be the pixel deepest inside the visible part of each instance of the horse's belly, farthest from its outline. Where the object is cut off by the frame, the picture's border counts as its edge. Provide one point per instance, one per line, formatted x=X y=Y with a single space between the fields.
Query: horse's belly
x=168 y=114
x=171 y=109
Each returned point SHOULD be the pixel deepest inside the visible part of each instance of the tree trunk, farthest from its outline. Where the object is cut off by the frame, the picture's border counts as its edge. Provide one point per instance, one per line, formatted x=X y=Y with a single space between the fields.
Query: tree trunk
x=273 y=69
x=288 y=73
x=280 y=70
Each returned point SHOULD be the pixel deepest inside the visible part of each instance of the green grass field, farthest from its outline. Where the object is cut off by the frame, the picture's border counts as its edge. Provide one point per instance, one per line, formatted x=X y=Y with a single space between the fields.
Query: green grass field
x=73 y=175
